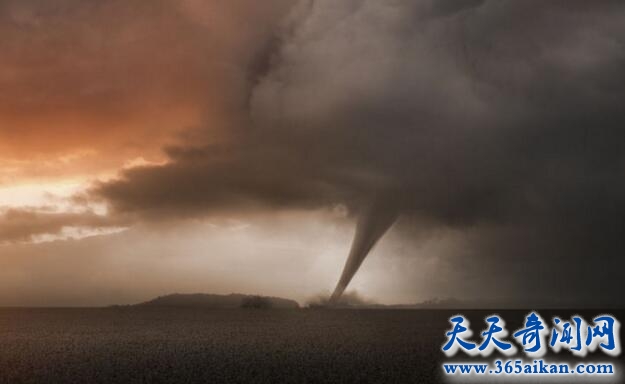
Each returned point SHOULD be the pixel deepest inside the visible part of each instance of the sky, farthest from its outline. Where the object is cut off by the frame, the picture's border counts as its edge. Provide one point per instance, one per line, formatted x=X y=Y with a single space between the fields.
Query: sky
x=148 y=148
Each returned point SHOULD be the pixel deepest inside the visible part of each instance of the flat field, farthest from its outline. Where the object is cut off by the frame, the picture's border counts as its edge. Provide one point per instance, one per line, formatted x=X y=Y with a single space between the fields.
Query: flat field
x=160 y=345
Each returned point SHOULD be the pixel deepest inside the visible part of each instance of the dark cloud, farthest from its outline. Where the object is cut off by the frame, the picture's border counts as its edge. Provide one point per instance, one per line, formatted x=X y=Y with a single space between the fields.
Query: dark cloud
x=472 y=115
x=23 y=225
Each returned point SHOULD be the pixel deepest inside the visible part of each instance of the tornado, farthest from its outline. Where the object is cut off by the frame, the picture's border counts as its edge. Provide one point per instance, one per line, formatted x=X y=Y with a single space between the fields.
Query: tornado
x=372 y=224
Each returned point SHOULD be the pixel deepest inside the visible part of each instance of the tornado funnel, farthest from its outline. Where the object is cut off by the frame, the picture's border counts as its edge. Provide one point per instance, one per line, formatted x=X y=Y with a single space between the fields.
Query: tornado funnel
x=372 y=224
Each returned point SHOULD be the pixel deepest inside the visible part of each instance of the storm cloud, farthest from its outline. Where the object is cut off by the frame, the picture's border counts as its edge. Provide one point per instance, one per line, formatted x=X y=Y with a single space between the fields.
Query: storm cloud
x=501 y=120
x=40 y=223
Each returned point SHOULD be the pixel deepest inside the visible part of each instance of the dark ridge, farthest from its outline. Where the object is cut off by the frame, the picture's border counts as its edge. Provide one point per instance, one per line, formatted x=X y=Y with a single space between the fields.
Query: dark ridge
x=233 y=300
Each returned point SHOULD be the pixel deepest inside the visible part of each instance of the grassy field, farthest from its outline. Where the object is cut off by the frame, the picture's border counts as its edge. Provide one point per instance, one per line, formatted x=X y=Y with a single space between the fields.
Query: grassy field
x=261 y=346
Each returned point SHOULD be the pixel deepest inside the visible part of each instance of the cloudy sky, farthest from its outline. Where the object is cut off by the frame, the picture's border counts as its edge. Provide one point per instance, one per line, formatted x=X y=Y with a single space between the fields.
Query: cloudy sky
x=210 y=146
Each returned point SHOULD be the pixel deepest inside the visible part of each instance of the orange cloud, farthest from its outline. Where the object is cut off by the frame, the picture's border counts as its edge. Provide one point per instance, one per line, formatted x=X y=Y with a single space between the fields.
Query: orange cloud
x=119 y=78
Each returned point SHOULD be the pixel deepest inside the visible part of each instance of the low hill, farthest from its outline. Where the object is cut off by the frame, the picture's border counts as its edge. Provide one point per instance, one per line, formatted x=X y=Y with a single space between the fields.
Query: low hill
x=234 y=300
